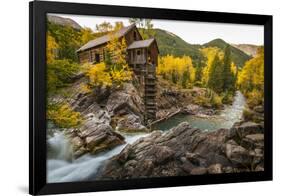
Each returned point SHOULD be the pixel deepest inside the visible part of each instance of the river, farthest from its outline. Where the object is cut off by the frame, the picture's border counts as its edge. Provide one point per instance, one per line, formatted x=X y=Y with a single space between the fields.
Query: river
x=62 y=167
x=225 y=119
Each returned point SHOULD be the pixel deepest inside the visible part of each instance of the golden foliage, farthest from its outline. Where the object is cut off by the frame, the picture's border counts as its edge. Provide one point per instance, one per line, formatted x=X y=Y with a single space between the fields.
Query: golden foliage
x=52 y=48
x=118 y=25
x=251 y=79
x=63 y=115
x=99 y=76
x=86 y=35
x=255 y=97
x=84 y=88
x=252 y=74
x=118 y=50
x=86 y=67
x=178 y=70
x=234 y=68
x=120 y=76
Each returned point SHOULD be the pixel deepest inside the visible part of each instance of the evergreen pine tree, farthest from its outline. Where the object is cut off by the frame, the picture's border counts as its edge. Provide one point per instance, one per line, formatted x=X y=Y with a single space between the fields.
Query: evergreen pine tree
x=228 y=81
x=198 y=72
x=185 y=78
x=216 y=79
x=174 y=77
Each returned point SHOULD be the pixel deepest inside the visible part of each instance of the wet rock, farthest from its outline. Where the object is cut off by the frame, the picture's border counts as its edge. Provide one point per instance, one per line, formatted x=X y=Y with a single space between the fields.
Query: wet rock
x=130 y=123
x=77 y=143
x=237 y=154
x=259 y=109
x=199 y=171
x=259 y=168
x=94 y=136
x=193 y=158
x=253 y=141
x=126 y=101
x=240 y=130
x=215 y=169
x=184 y=150
x=191 y=109
x=124 y=155
x=187 y=167
x=227 y=169
x=162 y=154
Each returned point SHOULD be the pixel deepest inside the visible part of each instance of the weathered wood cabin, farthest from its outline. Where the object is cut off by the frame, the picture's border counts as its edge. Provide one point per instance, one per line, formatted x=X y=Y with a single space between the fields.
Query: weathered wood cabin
x=142 y=57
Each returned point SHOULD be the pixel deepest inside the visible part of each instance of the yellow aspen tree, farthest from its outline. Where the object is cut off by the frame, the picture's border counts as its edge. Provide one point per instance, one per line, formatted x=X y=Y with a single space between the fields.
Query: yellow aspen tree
x=52 y=48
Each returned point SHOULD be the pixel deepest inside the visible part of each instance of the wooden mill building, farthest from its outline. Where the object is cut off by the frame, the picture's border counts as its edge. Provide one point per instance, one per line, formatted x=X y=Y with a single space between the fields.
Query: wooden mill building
x=142 y=57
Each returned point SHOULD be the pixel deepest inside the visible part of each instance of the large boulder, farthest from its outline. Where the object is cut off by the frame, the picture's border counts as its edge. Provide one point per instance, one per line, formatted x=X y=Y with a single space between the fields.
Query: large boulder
x=126 y=101
x=245 y=144
x=130 y=123
x=95 y=135
x=241 y=129
x=237 y=154
x=99 y=109
x=253 y=141
x=184 y=150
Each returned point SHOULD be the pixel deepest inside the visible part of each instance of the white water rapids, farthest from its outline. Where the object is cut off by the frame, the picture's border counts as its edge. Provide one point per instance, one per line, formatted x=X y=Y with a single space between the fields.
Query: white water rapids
x=61 y=167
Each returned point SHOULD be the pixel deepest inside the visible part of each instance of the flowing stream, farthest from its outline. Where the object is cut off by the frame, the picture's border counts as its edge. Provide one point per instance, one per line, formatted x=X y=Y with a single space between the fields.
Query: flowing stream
x=227 y=117
x=61 y=167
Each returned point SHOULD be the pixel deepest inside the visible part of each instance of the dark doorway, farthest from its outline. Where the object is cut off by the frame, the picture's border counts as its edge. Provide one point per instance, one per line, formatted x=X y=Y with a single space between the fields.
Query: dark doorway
x=97 y=58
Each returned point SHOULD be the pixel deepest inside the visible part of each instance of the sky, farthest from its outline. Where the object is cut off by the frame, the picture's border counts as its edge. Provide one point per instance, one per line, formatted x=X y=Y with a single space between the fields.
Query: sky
x=191 y=32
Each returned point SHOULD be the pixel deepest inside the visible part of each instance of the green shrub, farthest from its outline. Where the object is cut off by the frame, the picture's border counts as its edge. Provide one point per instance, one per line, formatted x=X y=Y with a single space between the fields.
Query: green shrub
x=254 y=98
x=202 y=101
x=248 y=114
x=227 y=97
x=209 y=99
x=216 y=100
x=60 y=73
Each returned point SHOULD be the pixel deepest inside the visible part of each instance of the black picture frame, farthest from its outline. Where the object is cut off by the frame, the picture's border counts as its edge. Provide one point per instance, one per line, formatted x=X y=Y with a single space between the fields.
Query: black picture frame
x=37 y=96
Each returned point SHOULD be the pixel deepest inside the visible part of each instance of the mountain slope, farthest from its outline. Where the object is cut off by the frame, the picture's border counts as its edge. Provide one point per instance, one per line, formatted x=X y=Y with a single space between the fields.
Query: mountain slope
x=63 y=21
x=170 y=43
x=249 y=49
x=239 y=57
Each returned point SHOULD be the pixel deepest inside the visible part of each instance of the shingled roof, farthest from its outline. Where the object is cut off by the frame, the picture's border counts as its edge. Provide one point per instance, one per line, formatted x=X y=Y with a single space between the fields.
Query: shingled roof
x=104 y=39
x=141 y=44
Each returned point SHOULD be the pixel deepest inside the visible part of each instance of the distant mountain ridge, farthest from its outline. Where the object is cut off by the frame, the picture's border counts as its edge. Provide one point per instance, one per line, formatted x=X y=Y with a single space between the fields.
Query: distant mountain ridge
x=249 y=49
x=171 y=44
x=63 y=21
x=239 y=57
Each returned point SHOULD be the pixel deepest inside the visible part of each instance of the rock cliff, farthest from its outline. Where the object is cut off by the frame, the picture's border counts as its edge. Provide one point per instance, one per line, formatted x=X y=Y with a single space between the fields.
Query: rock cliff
x=184 y=150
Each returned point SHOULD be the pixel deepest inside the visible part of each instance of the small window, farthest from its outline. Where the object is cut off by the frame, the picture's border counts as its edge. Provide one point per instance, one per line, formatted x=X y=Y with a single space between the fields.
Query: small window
x=97 y=57
x=138 y=52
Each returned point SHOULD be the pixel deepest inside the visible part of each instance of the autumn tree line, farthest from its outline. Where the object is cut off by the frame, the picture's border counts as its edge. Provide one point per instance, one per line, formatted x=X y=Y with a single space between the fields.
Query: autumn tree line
x=216 y=72
x=63 y=67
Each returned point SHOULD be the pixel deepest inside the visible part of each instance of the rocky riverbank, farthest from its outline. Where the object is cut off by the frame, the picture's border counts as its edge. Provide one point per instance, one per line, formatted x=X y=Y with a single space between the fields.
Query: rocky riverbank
x=108 y=111
x=105 y=112
x=184 y=150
